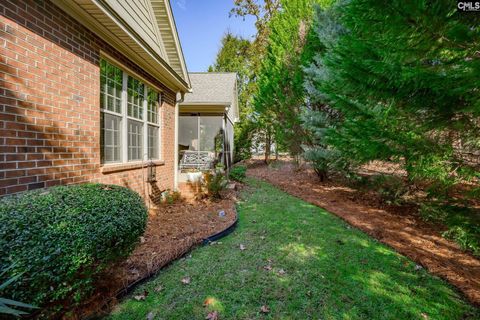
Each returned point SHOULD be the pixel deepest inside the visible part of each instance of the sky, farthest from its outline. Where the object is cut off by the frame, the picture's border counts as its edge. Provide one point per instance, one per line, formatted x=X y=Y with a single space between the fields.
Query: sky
x=201 y=25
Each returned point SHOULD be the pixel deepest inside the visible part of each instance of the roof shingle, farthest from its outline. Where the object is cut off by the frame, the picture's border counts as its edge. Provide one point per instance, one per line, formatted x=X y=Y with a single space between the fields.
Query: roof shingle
x=212 y=87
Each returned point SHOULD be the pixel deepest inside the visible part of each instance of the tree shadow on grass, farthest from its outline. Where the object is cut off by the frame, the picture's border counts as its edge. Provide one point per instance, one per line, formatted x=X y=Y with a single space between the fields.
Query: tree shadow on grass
x=301 y=262
x=353 y=275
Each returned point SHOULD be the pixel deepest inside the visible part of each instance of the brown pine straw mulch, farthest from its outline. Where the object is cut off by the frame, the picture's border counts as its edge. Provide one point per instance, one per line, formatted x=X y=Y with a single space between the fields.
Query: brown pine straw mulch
x=172 y=231
x=397 y=226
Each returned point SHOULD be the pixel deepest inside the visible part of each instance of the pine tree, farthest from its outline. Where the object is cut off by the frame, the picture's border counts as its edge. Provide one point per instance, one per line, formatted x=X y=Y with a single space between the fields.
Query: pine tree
x=280 y=92
x=404 y=79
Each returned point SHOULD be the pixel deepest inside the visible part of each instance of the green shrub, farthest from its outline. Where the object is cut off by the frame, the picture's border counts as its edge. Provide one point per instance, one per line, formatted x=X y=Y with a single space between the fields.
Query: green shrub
x=62 y=238
x=390 y=188
x=463 y=224
x=464 y=236
x=214 y=183
x=238 y=173
x=170 y=196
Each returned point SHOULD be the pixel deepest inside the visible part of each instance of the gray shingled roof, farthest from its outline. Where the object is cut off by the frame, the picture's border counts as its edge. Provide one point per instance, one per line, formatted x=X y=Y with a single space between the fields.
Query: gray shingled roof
x=212 y=87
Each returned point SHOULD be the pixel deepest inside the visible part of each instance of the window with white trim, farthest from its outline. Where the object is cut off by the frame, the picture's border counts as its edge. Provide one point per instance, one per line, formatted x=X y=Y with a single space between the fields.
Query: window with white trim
x=153 y=120
x=130 y=117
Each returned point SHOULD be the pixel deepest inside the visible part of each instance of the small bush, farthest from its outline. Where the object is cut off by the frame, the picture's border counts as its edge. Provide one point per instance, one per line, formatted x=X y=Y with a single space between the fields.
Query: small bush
x=214 y=183
x=59 y=240
x=238 y=173
x=171 y=197
x=466 y=237
x=390 y=188
x=463 y=224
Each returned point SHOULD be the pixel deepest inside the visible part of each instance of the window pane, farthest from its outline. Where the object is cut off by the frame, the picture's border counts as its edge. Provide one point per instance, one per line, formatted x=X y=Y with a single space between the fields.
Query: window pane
x=135 y=98
x=135 y=140
x=153 y=104
x=153 y=146
x=110 y=138
x=110 y=87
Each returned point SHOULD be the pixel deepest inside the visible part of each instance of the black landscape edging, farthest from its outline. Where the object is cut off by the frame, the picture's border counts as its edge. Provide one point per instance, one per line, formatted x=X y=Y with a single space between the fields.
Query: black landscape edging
x=223 y=233
x=125 y=291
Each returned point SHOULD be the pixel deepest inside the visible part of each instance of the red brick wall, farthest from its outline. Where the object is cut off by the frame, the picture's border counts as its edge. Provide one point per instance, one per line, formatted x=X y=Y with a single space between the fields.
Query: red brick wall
x=50 y=103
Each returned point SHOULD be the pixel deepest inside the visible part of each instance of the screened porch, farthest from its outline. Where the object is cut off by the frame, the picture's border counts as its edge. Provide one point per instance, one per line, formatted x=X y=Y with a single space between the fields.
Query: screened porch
x=204 y=142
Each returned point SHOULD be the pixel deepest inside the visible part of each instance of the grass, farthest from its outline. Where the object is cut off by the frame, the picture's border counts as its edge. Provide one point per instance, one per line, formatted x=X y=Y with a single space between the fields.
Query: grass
x=332 y=271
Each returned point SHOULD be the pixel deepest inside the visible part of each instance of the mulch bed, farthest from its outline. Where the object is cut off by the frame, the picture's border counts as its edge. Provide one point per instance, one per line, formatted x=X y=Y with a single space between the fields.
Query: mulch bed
x=397 y=226
x=172 y=231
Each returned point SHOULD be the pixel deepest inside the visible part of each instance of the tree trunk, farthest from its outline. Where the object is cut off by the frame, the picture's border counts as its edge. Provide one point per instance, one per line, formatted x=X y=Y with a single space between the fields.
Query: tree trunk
x=268 y=145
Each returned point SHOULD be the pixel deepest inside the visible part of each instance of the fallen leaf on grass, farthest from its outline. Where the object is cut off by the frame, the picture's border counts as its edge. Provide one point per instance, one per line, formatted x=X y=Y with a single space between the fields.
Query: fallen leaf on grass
x=281 y=272
x=242 y=247
x=262 y=238
x=142 y=296
x=158 y=288
x=264 y=309
x=186 y=280
x=150 y=315
x=424 y=315
x=267 y=268
x=212 y=316
x=208 y=302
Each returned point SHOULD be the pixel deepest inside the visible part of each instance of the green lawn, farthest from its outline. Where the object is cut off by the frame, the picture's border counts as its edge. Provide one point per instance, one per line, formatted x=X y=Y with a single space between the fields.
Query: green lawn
x=331 y=271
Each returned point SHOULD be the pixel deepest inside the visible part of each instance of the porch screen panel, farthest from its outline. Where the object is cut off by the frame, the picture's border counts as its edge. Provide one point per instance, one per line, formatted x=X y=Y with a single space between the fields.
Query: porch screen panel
x=211 y=134
x=229 y=146
x=188 y=133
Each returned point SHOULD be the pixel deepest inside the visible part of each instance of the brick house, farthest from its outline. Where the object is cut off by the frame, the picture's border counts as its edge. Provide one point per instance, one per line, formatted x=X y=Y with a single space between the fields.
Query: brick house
x=89 y=92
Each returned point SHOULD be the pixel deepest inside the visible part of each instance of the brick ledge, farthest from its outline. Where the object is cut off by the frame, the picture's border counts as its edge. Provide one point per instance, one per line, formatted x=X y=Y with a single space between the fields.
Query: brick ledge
x=109 y=168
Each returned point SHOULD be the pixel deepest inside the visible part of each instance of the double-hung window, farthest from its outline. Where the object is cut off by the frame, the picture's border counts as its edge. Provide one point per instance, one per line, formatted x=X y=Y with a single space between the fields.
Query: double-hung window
x=130 y=117
x=111 y=82
x=153 y=120
x=135 y=101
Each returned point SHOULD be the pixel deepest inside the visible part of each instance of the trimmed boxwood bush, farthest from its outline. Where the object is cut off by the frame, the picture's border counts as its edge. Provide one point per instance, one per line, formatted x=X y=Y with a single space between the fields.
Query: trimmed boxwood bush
x=60 y=239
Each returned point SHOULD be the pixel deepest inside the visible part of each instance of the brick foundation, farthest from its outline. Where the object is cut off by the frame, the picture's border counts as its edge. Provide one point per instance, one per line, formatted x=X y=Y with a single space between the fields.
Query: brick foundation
x=50 y=103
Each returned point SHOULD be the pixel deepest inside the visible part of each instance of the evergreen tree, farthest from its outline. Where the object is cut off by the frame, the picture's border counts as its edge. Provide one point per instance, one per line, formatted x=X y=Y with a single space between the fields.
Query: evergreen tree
x=280 y=95
x=403 y=81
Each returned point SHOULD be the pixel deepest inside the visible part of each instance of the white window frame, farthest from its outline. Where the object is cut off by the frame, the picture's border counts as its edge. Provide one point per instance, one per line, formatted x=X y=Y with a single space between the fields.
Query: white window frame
x=125 y=118
x=153 y=124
